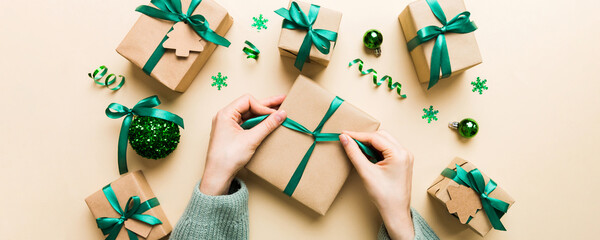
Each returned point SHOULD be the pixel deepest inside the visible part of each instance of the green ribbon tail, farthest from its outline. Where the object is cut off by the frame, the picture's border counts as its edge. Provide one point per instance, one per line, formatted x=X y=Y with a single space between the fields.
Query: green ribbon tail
x=303 y=52
x=122 y=145
x=295 y=179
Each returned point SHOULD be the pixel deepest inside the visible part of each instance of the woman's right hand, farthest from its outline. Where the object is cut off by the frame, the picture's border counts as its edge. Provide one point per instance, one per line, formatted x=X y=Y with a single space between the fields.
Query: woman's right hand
x=388 y=182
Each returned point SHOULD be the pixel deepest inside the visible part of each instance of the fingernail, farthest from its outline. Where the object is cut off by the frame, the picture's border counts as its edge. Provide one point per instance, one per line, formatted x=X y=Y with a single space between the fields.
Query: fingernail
x=280 y=116
x=343 y=139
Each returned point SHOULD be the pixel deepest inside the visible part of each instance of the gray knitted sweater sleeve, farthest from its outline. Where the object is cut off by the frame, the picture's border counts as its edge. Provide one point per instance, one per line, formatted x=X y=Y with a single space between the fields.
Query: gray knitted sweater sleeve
x=226 y=217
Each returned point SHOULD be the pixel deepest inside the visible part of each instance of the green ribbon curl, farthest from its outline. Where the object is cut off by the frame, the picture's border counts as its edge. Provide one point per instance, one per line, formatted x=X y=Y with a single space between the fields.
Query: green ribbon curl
x=295 y=18
x=391 y=85
x=440 y=59
x=144 y=107
x=100 y=72
x=251 y=51
x=133 y=210
x=170 y=10
x=317 y=135
x=494 y=208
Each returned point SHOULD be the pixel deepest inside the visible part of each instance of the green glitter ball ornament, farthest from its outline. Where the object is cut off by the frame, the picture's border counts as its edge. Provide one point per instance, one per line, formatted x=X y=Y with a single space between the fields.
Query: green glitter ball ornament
x=153 y=138
x=373 y=40
x=467 y=127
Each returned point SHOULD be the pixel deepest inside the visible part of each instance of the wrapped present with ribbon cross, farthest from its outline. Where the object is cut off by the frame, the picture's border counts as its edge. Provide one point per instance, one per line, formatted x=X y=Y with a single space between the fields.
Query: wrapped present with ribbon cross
x=474 y=198
x=303 y=158
x=436 y=44
x=128 y=209
x=173 y=39
x=308 y=33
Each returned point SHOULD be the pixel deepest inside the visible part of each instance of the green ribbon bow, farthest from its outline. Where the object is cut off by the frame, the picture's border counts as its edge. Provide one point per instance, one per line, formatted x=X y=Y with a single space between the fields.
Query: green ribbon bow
x=494 y=208
x=143 y=108
x=439 y=56
x=133 y=210
x=318 y=137
x=170 y=10
x=295 y=18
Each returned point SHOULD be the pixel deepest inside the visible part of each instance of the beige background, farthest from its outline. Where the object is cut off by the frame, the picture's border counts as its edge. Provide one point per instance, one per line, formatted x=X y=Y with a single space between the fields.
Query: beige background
x=539 y=120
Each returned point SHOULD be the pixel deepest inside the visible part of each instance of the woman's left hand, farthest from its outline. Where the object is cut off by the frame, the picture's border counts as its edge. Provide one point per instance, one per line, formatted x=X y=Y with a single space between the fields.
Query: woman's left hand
x=230 y=146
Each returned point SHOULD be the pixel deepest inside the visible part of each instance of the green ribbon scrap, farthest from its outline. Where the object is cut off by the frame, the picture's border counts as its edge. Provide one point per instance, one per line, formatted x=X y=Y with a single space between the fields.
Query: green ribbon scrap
x=440 y=58
x=100 y=72
x=391 y=85
x=133 y=210
x=170 y=10
x=251 y=51
x=318 y=136
x=295 y=18
x=494 y=208
x=144 y=107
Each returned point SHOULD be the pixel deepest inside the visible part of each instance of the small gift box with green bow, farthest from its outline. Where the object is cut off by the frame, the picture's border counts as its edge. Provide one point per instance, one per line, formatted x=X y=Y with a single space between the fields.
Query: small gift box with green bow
x=173 y=39
x=440 y=38
x=308 y=33
x=128 y=209
x=471 y=196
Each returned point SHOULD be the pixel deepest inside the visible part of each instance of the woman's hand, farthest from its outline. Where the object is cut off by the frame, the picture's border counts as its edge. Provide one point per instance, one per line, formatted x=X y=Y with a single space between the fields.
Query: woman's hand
x=388 y=182
x=230 y=146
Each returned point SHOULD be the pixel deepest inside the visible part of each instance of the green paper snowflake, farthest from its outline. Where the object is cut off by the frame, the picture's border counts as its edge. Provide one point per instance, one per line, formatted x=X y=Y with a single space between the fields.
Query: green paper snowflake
x=260 y=22
x=219 y=81
x=430 y=114
x=479 y=86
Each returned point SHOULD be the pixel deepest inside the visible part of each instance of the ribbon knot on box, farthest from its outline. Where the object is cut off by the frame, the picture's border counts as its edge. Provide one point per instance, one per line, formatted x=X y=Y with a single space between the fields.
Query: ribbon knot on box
x=440 y=59
x=170 y=10
x=317 y=136
x=144 y=107
x=295 y=18
x=134 y=209
x=494 y=208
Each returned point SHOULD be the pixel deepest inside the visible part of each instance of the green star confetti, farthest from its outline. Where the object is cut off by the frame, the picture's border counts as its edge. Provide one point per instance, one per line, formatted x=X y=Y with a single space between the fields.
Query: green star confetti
x=430 y=114
x=260 y=22
x=219 y=81
x=479 y=86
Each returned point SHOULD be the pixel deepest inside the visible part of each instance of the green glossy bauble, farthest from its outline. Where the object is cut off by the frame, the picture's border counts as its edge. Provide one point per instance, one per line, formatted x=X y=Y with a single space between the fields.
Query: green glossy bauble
x=153 y=138
x=468 y=128
x=373 y=39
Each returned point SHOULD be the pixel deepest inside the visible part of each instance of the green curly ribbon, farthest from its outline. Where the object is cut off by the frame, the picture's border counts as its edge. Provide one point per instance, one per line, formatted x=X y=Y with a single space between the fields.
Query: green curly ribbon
x=494 y=208
x=440 y=59
x=109 y=80
x=251 y=51
x=144 y=107
x=133 y=209
x=318 y=137
x=295 y=18
x=170 y=10
x=391 y=85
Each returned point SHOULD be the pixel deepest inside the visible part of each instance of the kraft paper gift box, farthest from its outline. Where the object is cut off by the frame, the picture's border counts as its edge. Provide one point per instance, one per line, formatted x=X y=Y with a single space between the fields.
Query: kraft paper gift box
x=463 y=50
x=290 y=40
x=280 y=154
x=461 y=199
x=175 y=72
x=129 y=185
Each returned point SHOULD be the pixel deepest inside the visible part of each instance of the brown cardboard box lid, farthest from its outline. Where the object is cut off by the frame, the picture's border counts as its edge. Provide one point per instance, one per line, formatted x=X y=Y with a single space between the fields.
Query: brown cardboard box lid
x=280 y=153
x=462 y=48
x=290 y=40
x=130 y=184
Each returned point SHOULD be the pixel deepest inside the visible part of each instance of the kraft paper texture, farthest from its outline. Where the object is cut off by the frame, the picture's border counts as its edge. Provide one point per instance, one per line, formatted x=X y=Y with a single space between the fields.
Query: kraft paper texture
x=177 y=73
x=278 y=156
x=462 y=48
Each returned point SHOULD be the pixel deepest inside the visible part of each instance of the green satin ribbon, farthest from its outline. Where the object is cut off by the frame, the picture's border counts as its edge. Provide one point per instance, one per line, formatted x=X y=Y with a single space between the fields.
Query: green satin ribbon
x=251 y=51
x=391 y=85
x=133 y=210
x=440 y=60
x=494 y=208
x=318 y=137
x=295 y=18
x=170 y=10
x=144 y=107
x=109 y=80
